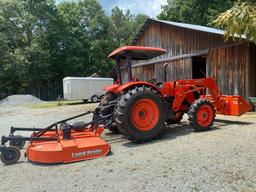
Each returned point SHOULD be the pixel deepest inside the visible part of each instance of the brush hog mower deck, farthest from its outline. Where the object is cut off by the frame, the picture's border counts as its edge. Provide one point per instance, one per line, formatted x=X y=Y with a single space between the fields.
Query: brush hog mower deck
x=58 y=143
x=137 y=109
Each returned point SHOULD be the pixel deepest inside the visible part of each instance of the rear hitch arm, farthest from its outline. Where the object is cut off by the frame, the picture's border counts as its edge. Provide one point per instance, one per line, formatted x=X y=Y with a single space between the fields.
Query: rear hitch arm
x=35 y=138
x=14 y=129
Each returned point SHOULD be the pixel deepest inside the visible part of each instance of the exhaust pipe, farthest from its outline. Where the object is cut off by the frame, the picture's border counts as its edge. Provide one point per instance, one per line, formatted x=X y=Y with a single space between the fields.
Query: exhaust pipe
x=165 y=73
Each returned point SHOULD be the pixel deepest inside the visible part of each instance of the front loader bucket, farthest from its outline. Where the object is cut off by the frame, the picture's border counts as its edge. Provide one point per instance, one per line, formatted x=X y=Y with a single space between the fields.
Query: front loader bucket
x=233 y=105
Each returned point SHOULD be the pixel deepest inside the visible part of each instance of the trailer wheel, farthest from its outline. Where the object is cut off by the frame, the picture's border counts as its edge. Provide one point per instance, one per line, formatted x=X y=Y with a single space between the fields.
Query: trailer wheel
x=140 y=114
x=18 y=143
x=11 y=155
x=201 y=115
x=94 y=98
x=106 y=99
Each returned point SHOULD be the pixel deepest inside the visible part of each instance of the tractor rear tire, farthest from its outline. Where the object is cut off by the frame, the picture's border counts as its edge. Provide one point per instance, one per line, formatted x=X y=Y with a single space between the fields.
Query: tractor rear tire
x=140 y=114
x=201 y=115
x=106 y=99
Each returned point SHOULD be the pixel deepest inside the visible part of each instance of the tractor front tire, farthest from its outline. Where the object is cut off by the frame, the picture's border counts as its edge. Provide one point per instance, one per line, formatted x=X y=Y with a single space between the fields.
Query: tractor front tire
x=106 y=99
x=201 y=115
x=140 y=114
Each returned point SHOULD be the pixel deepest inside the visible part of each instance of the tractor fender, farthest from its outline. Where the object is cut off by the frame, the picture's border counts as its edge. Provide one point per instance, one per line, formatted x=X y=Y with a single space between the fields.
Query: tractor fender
x=116 y=88
x=112 y=88
x=131 y=85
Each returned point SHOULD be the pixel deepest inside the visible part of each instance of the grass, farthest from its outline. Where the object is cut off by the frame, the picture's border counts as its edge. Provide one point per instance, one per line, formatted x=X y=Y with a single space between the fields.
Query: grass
x=53 y=104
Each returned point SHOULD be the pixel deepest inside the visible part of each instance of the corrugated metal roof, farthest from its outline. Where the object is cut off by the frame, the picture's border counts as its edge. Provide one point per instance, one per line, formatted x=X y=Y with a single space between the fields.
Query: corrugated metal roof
x=183 y=25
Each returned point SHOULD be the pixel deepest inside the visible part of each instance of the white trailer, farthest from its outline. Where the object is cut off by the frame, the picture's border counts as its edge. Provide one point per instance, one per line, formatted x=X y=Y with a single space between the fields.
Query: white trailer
x=84 y=88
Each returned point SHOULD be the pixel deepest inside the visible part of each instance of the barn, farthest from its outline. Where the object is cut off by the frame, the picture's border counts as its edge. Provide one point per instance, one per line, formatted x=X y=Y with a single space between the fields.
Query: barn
x=195 y=51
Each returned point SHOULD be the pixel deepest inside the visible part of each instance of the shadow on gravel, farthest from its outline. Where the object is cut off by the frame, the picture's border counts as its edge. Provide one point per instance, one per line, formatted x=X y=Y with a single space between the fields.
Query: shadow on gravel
x=223 y=122
x=169 y=132
x=177 y=130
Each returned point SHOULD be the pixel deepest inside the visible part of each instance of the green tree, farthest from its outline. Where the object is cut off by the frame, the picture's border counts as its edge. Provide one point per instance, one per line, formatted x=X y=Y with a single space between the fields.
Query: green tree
x=125 y=25
x=41 y=42
x=23 y=24
x=80 y=41
x=239 y=21
x=201 y=12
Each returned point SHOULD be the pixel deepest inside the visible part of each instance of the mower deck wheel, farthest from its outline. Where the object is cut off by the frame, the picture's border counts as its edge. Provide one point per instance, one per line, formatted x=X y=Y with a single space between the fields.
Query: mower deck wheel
x=18 y=143
x=11 y=155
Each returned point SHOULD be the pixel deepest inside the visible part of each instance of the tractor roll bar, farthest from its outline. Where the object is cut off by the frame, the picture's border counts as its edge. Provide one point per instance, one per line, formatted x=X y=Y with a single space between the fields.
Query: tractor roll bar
x=118 y=70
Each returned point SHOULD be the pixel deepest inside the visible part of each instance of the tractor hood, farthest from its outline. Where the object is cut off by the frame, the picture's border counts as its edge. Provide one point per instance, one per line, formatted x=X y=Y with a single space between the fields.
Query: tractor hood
x=137 y=52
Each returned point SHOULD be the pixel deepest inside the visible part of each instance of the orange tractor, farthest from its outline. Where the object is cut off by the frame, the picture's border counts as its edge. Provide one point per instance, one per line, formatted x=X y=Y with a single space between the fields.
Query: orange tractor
x=141 y=109
x=137 y=109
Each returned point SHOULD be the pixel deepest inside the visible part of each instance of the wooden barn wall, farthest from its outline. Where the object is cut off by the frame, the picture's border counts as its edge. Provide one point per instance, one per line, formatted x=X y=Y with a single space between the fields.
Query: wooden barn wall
x=228 y=65
x=178 y=41
x=177 y=69
x=144 y=73
x=252 y=71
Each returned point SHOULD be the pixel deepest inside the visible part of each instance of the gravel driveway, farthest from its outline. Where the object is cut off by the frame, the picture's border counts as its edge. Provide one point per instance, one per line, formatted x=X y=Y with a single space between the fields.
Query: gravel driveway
x=223 y=159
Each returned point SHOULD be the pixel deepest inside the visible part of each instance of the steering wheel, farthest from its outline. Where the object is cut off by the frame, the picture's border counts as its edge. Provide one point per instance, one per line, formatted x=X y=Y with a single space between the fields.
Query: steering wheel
x=156 y=82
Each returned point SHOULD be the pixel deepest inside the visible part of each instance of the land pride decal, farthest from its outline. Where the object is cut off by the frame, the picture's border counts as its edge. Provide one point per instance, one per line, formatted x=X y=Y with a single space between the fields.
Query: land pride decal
x=86 y=153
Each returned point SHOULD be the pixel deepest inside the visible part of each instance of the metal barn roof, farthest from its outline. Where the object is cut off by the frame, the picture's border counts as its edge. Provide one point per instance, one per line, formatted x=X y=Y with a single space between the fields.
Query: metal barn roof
x=183 y=25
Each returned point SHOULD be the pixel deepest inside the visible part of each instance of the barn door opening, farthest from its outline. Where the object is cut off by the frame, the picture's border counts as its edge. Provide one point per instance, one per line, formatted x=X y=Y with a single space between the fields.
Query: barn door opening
x=198 y=67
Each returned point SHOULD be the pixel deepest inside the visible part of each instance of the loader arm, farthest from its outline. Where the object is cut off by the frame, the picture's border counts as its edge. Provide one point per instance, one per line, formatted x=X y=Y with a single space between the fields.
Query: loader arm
x=227 y=105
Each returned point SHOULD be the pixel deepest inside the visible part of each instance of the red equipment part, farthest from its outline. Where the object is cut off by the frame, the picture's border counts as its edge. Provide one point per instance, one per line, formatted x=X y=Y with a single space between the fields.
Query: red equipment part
x=84 y=145
x=58 y=143
x=204 y=115
x=137 y=52
x=145 y=114
x=224 y=104
x=233 y=105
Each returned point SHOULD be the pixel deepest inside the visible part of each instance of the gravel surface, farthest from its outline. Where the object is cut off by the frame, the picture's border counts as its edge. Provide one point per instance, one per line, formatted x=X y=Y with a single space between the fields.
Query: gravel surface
x=223 y=159
x=14 y=100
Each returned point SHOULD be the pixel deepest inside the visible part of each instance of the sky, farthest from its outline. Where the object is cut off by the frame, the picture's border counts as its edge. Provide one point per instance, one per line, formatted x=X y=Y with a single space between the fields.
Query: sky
x=149 y=7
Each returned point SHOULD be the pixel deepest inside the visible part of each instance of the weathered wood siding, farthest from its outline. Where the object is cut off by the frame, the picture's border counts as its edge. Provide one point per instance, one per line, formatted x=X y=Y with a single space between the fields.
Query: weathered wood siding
x=232 y=65
x=176 y=69
x=144 y=73
x=252 y=71
x=177 y=40
x=228 y=65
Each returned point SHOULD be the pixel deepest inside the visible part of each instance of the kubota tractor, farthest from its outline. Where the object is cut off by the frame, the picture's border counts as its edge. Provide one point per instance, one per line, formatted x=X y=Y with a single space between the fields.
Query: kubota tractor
x=137 y=109
x=141 y=109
